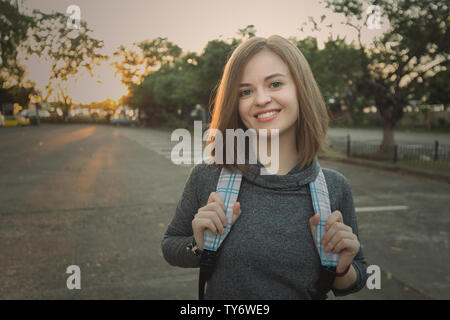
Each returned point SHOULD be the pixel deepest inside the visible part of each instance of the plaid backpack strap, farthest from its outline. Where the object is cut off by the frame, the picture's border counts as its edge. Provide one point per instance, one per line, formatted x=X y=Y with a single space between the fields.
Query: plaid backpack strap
x=321 y=204
x=228 y=189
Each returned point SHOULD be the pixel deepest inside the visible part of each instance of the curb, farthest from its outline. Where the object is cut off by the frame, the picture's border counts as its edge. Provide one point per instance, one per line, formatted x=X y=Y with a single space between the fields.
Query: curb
x=441 y=177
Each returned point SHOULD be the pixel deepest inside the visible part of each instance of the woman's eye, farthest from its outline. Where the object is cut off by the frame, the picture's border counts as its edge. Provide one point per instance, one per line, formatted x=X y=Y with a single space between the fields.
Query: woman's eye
x=244 y=93
x=276 y=84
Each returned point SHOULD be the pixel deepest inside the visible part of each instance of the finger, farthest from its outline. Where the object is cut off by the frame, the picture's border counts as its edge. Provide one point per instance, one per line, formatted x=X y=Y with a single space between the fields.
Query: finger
x=214 y=197
x=313 y=221
x=337 y=226
x=236 y=212
x=216 y=207
x=198 y=234
x=212 y=215
x=199 y=240
x=218 y=222
x=201 y=224
x=335 y=216
x=352 y=245
x=338 y=236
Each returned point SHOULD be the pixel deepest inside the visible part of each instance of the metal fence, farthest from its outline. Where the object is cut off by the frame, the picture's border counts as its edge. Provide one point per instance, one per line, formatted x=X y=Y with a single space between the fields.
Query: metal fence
x=427 y=155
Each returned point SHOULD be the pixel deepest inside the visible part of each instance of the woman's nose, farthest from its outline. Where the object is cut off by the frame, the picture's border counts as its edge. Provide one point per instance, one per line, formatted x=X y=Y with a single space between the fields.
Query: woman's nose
x=262 y=98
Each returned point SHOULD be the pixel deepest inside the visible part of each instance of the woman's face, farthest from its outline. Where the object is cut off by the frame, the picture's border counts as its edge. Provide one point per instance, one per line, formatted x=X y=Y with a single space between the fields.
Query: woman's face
x=267 y=94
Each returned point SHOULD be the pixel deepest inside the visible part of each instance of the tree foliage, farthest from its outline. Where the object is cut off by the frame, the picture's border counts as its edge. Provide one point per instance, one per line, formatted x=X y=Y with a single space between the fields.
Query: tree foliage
x=406 y=57
x=134 y=64
x=336 y=70
x=45 y=35
x=13 y=33
x=70 y=50
x=173 y=82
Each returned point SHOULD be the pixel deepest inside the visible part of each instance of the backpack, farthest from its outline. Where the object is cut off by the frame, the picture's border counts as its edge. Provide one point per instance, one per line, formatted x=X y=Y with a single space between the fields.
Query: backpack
x=228 y=188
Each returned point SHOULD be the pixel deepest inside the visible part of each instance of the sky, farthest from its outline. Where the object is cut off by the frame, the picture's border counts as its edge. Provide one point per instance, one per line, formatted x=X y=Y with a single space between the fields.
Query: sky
x=188 y=23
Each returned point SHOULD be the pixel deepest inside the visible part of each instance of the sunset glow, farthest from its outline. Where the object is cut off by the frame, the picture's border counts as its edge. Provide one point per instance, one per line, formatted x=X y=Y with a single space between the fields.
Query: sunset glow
x=189 y=25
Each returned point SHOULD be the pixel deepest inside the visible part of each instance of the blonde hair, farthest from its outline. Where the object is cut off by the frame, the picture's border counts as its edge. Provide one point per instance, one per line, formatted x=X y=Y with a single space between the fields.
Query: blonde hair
x=312 y=123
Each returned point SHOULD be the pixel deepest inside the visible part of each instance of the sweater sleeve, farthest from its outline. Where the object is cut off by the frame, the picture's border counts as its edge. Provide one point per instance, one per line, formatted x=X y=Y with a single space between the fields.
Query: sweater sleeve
x=347 y=208
x=179 y=232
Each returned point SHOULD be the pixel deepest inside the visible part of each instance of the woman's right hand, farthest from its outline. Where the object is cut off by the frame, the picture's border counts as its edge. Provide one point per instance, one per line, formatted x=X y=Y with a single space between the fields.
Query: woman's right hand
x=212 y=217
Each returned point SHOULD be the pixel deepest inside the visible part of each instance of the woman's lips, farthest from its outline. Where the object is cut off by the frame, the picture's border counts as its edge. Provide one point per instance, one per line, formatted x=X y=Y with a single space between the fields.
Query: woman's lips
x=269 y=118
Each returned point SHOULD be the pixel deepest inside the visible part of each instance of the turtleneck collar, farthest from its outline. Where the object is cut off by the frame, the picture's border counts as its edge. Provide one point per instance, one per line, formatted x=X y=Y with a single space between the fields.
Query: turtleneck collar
x=294 y=179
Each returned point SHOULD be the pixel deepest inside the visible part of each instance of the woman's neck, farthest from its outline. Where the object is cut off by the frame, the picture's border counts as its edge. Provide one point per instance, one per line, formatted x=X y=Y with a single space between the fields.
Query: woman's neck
x=288 y=157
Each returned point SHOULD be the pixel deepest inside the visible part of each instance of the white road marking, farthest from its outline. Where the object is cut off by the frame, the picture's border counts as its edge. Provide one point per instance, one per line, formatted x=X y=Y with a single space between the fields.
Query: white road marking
x=377 y=209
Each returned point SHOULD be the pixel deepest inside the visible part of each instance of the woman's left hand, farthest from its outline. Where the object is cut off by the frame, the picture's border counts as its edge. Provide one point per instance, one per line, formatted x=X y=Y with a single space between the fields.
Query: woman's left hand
x=339 y=238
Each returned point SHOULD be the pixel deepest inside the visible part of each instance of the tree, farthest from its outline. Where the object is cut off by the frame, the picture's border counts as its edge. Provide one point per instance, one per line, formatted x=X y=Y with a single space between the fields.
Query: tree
x=13 y=34
x=21 y=95
x=181 y=80
x=437 y=89
x=210 y=68
x=213 y=60
x=247 y=32
x=408 y=55
x=130 y=65
x=137 y=63
x=44 y=35
x=69 y=50
x=336 y=70
x=159 y=52
x=167 y=95
x=134 y=64
x=174 y=82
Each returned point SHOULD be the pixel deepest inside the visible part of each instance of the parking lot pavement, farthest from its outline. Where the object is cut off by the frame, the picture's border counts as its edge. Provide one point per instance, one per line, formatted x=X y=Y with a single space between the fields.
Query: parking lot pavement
x=101 y=197
x=402 y=242
x=411 y=245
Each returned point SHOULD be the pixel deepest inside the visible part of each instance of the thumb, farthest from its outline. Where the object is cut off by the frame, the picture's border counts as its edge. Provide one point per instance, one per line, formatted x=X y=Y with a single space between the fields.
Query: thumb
x=313 y=221
x=236 y=212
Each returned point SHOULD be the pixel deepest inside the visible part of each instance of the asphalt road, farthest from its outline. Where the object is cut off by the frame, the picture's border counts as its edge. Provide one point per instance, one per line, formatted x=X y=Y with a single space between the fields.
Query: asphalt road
x=101 y=197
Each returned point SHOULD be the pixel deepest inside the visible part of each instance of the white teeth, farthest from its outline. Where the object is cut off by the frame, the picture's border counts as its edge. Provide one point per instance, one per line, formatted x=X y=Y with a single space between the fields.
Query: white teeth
x=267 y=114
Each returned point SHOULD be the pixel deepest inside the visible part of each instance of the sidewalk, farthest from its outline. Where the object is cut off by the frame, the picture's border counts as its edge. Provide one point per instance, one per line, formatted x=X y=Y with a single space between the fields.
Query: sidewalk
x=437 y=176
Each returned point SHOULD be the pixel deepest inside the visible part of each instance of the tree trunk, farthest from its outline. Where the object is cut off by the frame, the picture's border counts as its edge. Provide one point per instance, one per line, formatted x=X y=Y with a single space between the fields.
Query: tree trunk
x=388 y=141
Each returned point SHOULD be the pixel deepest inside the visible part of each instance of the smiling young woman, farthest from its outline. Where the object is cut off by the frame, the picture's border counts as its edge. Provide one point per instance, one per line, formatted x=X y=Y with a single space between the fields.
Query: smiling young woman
x=270 y=251
x=264 y=74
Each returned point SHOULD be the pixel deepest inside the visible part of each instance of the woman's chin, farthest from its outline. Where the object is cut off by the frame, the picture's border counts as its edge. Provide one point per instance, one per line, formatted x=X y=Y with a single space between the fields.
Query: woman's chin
x=268 y=132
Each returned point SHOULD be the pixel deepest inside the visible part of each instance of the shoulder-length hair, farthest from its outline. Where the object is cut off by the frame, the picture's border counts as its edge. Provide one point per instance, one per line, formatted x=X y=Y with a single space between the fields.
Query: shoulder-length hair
x=312 y=120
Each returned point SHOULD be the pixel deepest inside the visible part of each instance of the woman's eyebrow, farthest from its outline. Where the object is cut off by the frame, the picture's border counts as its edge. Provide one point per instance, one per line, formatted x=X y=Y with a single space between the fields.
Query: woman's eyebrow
x=265 y=79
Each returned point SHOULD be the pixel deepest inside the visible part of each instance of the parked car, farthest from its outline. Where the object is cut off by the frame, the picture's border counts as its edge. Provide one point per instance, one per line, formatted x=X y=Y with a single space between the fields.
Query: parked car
x=124 y=116
x=27 y=113
x=119 y=120
x=14 y=121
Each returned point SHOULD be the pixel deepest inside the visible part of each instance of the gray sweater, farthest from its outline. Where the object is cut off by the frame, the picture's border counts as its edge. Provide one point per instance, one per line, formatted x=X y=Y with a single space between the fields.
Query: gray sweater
x=269 y=252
